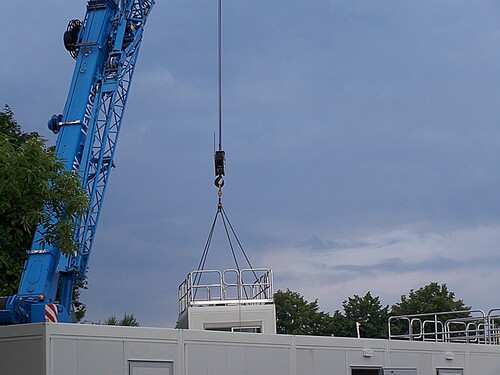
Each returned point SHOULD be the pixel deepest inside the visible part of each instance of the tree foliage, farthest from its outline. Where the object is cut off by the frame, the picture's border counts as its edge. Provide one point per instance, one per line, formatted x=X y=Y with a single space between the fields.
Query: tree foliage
x=368 y=312
x=128 y=320
x=431 y=298
x=428 y=299
x=34 y=189
x=296 y=316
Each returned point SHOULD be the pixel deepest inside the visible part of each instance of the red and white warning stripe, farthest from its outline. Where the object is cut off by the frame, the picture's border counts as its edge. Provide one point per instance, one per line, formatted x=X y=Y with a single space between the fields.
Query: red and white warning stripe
x=51 y=313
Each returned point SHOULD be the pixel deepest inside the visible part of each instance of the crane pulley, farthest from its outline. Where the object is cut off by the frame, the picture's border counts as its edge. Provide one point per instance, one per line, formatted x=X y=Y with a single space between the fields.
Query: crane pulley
x=70 y=37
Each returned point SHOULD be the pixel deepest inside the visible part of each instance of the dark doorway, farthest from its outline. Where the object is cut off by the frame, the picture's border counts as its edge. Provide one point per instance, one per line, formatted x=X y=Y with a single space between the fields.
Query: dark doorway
x=366 y=371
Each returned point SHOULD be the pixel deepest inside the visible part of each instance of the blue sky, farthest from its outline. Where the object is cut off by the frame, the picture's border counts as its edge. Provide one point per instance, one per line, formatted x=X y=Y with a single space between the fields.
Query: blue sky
x=362 y=142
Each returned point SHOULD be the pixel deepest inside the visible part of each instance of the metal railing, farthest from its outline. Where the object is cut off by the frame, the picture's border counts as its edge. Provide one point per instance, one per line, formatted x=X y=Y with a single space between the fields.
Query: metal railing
x=228 y=287
x=467 y=326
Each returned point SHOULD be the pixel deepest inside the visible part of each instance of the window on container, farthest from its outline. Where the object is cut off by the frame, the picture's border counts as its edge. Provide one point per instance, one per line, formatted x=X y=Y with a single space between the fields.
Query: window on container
x=450 y=371
x=150 y=368
x=221 y=329
x=366 y=371
x=400 y=371
x=247 y=329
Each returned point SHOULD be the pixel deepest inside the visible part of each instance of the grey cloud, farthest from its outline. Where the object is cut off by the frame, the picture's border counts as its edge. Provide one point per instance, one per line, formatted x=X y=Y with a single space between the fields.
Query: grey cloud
x=315 y=243
x=399 y=266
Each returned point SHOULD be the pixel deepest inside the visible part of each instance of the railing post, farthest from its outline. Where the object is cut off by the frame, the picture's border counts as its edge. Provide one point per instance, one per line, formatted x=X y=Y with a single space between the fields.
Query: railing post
x=435 y=328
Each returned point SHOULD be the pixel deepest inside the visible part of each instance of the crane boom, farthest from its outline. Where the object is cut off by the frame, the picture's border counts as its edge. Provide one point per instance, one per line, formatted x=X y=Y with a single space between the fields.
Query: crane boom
x=105 y=45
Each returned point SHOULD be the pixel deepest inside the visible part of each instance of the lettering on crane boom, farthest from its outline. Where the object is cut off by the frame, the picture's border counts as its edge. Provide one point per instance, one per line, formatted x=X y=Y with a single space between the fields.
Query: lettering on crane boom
x=89 y=107
x=86 y=120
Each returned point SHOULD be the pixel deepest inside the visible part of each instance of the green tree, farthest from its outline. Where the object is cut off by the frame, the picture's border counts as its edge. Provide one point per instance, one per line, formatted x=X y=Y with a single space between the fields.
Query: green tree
x=428 y=299
x=33 y=187
x=338 y=324
x=431 y=298
x=128 y=320
x=368 y=312
x=297 y=316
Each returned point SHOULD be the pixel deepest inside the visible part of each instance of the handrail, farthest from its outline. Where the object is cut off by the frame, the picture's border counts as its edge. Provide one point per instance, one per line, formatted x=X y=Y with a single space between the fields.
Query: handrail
x=213 y=287
x=467 y=326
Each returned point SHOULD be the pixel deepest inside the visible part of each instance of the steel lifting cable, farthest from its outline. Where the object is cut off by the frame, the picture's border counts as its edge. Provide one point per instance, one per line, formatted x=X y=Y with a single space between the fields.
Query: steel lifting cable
x=219 y=159
x=219 y=66
x=219 y=155
x=229 y=231
x=230 y=242
x=203 y=259
x=238 y=241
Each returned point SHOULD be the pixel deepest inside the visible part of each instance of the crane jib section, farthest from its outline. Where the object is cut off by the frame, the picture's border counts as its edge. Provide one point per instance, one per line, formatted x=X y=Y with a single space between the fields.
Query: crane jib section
x=106 y=47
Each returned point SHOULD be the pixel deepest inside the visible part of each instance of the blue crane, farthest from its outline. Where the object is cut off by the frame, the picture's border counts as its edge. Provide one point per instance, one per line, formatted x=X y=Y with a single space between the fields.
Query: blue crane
x=105 y=46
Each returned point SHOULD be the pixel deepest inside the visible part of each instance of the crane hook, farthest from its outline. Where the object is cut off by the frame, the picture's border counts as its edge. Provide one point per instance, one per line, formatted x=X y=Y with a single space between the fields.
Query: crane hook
x=219 y=181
